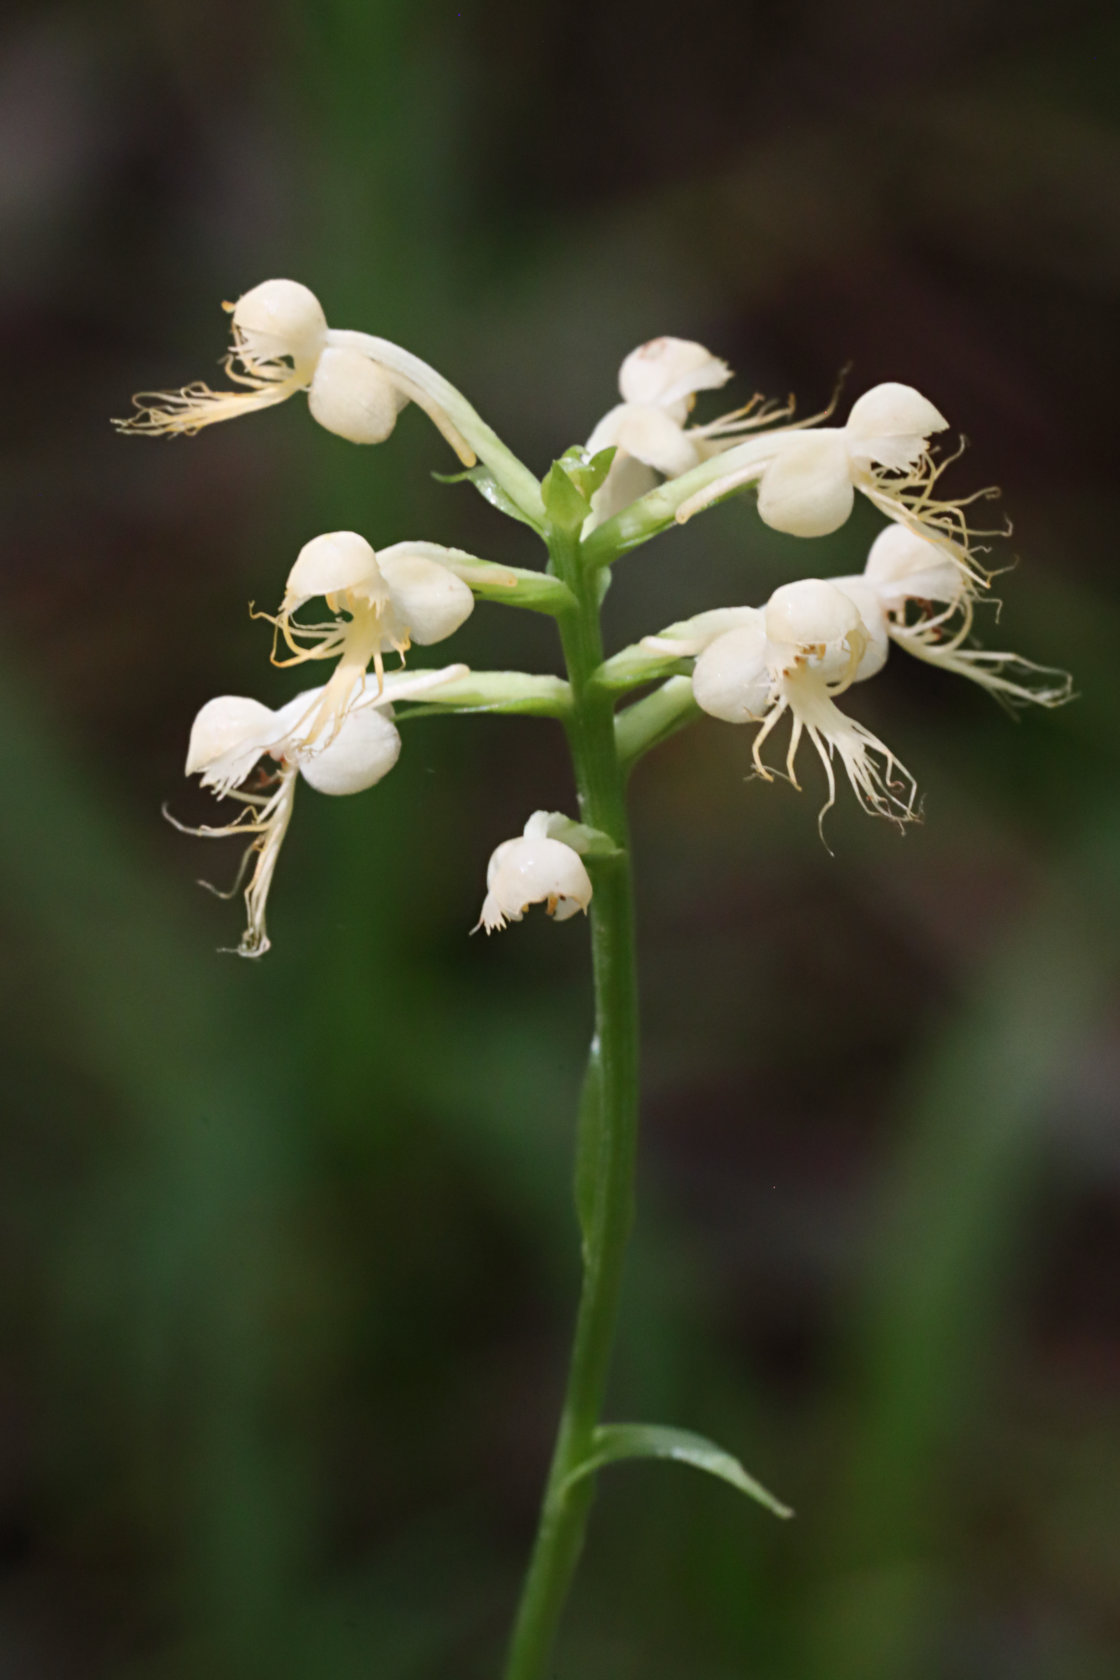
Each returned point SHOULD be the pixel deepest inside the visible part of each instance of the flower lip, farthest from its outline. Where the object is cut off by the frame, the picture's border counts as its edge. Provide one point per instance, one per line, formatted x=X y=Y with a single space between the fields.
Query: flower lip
x=280 y=319
x=336 y=563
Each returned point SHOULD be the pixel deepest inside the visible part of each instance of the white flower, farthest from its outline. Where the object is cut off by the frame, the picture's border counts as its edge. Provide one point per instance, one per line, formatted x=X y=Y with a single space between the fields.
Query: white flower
x=658 y=383
x=918 y=595
x=393 y=599
x=535 y=869
x=232 y=733
x=808 y=479
x=808 y=644
x=356 y=385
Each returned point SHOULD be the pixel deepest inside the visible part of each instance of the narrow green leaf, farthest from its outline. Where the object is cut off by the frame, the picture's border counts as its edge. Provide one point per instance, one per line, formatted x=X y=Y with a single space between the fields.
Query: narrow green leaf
x=615 y=1441
x=489 y=488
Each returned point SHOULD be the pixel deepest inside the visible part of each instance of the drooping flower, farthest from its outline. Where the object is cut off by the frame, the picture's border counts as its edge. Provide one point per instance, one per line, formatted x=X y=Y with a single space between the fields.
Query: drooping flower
x=807 y=479
x=232 y=734
x=356 y=385
x=648 y=429
x=534 y=868
x=914 y=589
x=795 y=655
x=392 y=599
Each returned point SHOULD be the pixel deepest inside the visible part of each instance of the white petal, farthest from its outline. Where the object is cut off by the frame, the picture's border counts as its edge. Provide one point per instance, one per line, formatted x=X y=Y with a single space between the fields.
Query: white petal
x=903 y=566
x=891 y=425
x=330 y=564
x=650 y=435
x=627 y=481
x=229 y=724
x=429 y=600
x=873 y=616
x=281 y=318
x=353 y=397
x=605 y=434
x=807 y=488
x=667 y=371
x=816 y=623
x=732 y=679
x=365 y=749
x=534 y=870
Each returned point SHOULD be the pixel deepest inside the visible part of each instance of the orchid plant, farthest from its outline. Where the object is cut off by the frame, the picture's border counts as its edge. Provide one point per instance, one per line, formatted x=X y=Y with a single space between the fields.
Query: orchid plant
x=646 y=466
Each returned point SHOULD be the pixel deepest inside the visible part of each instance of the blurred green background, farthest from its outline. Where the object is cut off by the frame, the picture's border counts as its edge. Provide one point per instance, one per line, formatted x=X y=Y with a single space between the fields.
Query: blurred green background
x=289 y=1258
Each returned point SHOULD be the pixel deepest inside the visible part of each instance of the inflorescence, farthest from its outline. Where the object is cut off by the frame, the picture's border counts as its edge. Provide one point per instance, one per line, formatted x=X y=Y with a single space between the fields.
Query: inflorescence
x=646 y=464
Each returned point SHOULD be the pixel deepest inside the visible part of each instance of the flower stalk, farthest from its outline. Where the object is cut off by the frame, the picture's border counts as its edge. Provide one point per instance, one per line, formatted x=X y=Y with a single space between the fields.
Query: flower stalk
x=607 y=1136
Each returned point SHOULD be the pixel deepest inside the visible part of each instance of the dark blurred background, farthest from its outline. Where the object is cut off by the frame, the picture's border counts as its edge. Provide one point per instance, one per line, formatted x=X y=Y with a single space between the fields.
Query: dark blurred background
x=289 y=1261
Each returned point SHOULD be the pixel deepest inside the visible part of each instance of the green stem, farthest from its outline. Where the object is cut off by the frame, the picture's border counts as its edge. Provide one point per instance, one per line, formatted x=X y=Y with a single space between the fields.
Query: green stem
x=608 y=1125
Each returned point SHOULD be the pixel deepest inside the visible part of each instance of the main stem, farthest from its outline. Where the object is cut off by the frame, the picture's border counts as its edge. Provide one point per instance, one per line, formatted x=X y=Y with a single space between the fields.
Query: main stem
x=608 y=1126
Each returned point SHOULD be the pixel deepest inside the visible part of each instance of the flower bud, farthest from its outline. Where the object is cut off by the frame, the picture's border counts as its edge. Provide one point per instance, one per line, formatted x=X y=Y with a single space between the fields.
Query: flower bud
x=426 y=596
x=891 y=425
x=534 y=870
x=353 y=397
x=334 y=564
x=903 y=566
x=277 y=319
x=665 y=372
x=807 y=488
x=224 y=724
x=364 y=750
x=731 y=679
x=817 y=623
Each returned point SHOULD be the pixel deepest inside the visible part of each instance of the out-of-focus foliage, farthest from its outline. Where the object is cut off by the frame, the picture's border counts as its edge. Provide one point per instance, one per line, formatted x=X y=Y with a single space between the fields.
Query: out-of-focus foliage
x=289 y=1250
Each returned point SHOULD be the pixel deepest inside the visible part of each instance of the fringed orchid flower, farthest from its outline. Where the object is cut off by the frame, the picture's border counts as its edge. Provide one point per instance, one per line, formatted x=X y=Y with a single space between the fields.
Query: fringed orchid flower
x=392 y=599
x=916 y=592
x=648 y=429
x=233 y=734
x=356 y=384
x=807 y=479
x=795 y=655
